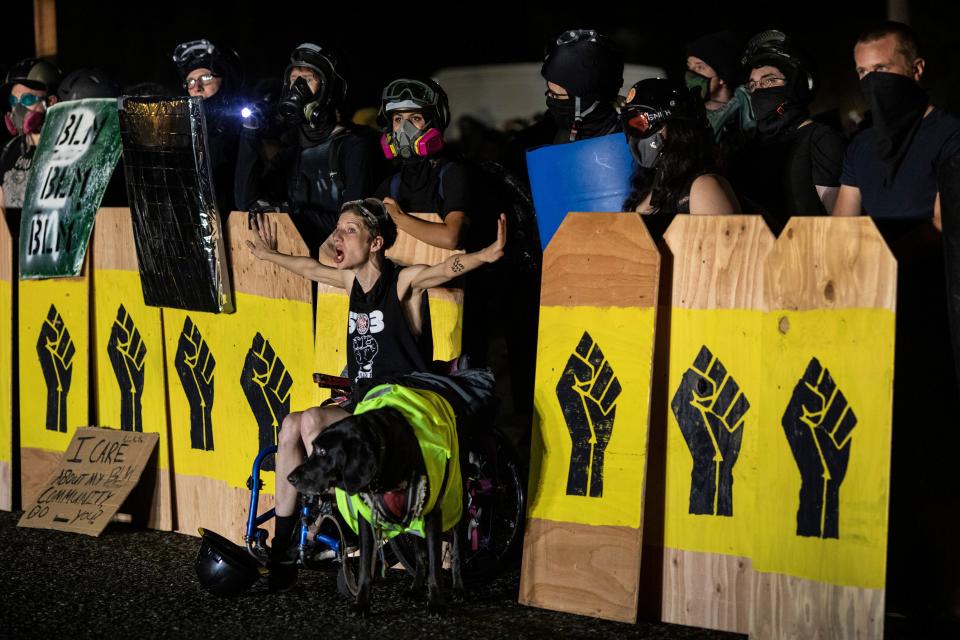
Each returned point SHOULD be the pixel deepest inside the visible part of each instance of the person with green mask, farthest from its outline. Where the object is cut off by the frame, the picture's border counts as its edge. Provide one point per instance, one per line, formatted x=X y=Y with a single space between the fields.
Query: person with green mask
x=713 y=72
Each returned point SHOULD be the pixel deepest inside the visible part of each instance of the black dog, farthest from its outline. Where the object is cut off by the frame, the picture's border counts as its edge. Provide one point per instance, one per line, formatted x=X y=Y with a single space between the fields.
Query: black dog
x=376 y=453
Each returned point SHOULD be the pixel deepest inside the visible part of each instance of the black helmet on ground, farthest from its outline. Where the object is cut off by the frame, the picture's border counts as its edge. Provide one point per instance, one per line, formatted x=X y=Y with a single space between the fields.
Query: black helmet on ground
x=87 y=83
x=37 y=74
x=409 y=94
x=223 y=568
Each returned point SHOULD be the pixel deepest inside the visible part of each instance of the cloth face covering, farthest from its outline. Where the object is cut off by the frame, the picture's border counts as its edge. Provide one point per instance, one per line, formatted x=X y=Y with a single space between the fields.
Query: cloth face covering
x=699 y=83
x=898 y=104
x=776 y=113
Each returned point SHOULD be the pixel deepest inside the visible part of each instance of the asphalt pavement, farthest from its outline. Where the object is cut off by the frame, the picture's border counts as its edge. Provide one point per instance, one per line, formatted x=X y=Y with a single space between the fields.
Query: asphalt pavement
x=136 y=583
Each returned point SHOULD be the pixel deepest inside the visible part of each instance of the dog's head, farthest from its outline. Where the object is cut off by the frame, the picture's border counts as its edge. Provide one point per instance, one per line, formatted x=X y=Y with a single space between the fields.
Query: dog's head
x=346 y=455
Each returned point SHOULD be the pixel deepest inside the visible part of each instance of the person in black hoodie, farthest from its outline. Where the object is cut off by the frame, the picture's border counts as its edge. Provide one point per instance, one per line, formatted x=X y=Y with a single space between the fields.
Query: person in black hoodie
x=793 y=165
x=215 y=75
x=584 y=72
x=321 y=163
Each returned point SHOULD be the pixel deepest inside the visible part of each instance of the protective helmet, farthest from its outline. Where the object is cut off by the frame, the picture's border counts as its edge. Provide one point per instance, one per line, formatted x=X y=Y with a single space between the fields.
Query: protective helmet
x=35 y=73
x=776 y=48
x=87 y=83
x=333 y=88
x=223 y=568
x=410 y=94
x=585 y=63
x=655 y=101
x=202 y=53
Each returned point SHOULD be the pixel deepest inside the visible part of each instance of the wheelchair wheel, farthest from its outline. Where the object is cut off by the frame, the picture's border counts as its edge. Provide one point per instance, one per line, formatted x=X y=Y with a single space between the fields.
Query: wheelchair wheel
x=494 y=508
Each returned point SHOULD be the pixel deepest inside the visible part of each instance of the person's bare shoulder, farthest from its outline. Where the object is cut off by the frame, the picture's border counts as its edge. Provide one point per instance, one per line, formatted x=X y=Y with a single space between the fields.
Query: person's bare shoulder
x=711 y=194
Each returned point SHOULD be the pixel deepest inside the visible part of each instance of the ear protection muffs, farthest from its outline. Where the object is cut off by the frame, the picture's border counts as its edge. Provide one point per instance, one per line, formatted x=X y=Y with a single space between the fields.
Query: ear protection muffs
x=32 y=123
x=427 y=143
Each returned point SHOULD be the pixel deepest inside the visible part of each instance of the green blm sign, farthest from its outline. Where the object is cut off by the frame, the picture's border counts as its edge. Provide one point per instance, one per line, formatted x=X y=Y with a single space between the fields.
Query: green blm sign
x=75 y=158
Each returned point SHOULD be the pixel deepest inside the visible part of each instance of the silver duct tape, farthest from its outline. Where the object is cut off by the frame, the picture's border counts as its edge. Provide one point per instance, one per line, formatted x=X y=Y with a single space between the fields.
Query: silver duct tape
x=177 y=229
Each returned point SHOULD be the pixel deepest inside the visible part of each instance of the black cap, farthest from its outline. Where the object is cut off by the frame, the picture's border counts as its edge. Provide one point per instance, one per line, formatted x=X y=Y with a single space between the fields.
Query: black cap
x=39 y=75
x=720 y=50
x=585 y=63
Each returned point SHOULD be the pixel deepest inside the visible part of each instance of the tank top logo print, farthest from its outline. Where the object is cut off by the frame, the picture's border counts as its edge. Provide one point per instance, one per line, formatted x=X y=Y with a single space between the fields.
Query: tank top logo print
x=365 y=348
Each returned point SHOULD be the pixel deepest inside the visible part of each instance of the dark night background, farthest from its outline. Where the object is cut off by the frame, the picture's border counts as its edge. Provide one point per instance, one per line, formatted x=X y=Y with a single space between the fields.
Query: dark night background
x=134 y=40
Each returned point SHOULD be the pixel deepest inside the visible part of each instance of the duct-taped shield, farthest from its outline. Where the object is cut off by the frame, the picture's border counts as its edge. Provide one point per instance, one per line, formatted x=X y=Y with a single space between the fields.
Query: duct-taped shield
x=177 y=228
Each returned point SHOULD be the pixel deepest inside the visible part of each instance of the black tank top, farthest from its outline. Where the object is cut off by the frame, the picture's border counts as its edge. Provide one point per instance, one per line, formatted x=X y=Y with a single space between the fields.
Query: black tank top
x=380 y=342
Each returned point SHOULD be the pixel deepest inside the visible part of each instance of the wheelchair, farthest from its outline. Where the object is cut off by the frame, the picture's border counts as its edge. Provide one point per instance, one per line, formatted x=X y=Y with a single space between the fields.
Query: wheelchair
x=494 y=509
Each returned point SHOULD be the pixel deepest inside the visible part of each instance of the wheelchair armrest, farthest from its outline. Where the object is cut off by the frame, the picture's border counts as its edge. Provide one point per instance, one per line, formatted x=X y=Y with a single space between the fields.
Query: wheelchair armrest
x=325 y=381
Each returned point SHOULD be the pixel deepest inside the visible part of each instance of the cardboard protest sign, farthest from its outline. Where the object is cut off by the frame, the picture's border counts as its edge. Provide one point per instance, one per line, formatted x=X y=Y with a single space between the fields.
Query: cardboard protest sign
x=176 y=225
x=94 y=477
x=76 y=155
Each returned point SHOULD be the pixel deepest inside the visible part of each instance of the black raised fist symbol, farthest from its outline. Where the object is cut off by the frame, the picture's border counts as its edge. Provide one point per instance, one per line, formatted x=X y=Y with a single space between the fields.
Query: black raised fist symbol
x=127 y=353
x=195 y=365
x=56 y=351
x=588 y=391
x=266 y=384
x=819 y=424
x=709 y=407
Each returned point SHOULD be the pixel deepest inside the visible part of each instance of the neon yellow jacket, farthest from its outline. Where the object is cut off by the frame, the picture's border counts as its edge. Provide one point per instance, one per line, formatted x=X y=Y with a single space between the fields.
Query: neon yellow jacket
x=435 y=427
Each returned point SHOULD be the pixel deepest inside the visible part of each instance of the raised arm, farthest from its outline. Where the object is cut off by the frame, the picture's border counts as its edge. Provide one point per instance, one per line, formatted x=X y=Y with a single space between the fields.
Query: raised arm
x=264 y=247
x=422 y=277
x=447 y=234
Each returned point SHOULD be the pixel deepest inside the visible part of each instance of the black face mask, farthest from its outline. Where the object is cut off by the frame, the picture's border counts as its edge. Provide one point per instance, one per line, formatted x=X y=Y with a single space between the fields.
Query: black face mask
x=596 y=118
x=774 y=111
x=897 y=103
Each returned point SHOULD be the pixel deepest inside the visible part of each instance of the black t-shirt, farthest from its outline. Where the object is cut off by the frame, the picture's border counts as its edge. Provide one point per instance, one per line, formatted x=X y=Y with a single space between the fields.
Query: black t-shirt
x=380 y=341
x=439 y=186
x=421 y=183
x=781 y=176
x=15 y=162
x=912 y=191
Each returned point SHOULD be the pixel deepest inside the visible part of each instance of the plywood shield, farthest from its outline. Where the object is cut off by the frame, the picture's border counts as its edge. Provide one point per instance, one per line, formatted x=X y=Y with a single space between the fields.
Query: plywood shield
x=592 y=398
x=824 y=448
x=712 y=405
x=6 y=367
x=54 y=366
x=129 y=360
x=446 y=308
x=232 y=378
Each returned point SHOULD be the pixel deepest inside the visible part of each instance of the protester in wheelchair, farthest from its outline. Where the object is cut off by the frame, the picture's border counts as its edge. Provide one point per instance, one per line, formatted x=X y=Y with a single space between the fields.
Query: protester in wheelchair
x=388 y=331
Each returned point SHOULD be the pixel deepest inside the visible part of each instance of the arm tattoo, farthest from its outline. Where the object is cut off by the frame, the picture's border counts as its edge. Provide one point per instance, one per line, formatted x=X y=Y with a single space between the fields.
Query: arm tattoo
x=456 y=266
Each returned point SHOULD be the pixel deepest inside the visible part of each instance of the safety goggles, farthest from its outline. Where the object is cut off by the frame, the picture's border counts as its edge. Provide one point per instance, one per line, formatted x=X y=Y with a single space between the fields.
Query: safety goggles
x=200 y=81
x=643 y=124
x=404 y=89
x=27 y=100
x=577 y=35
